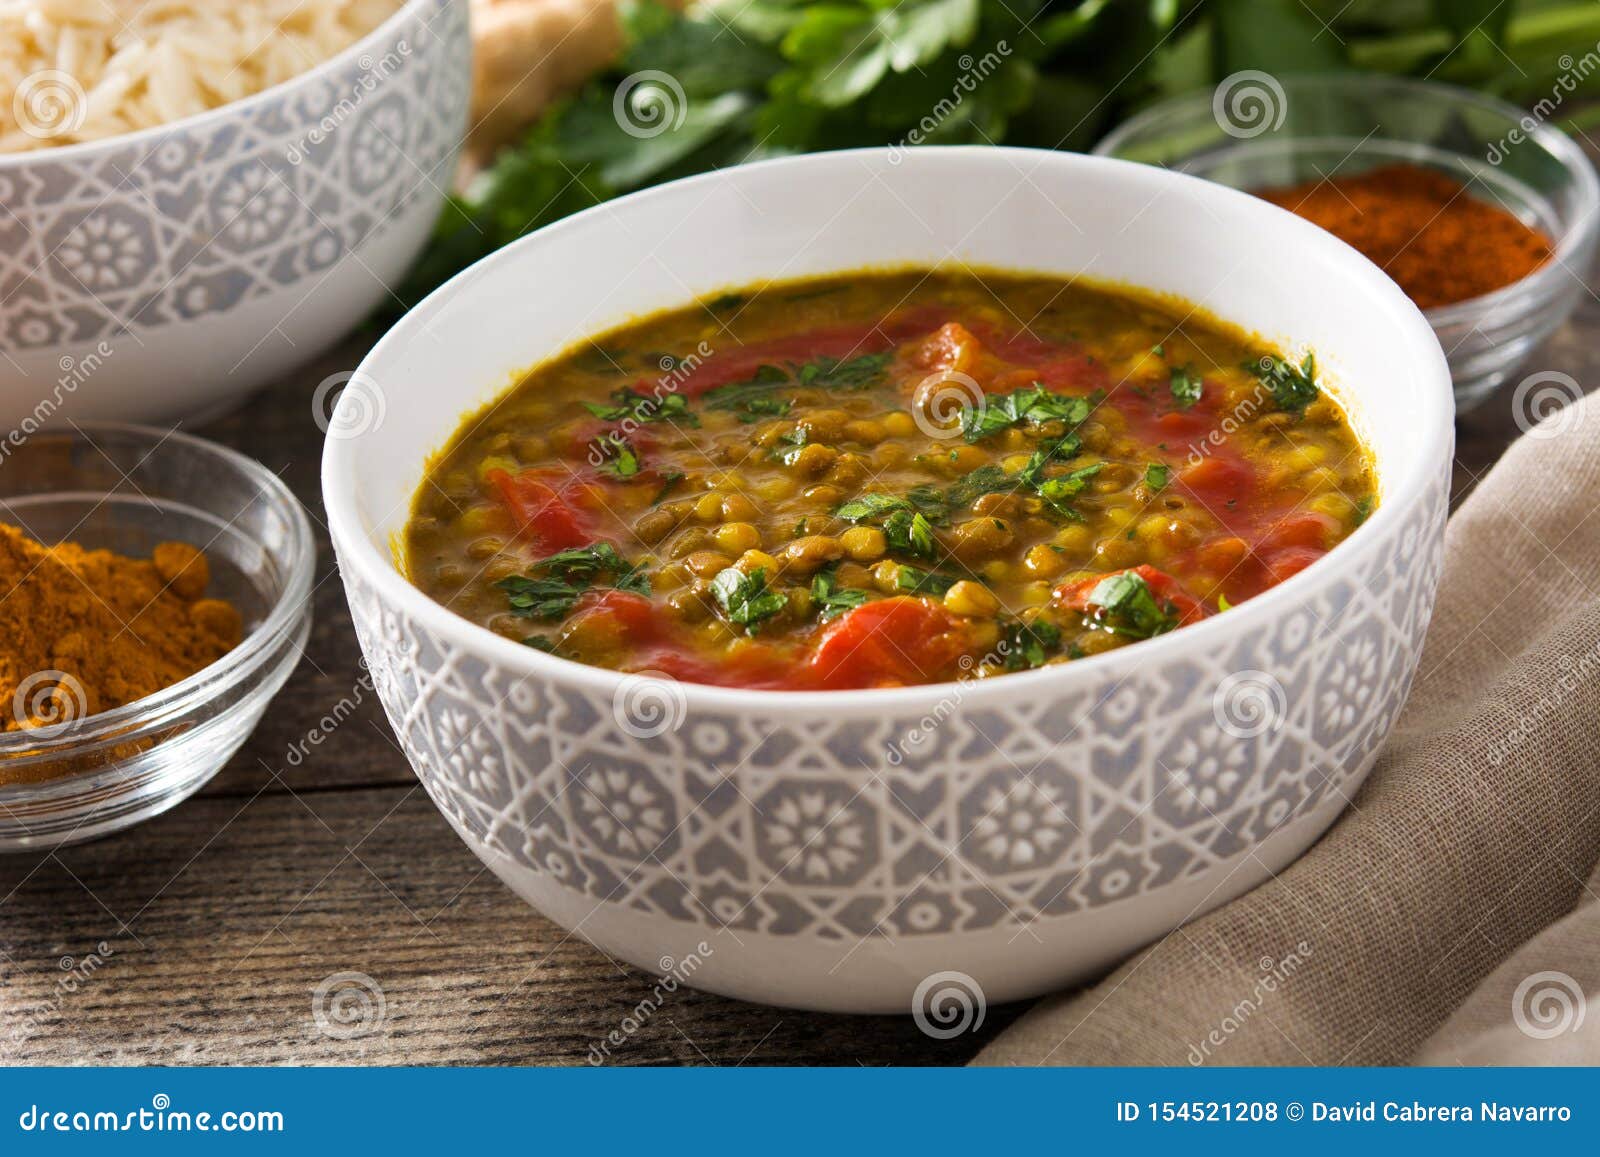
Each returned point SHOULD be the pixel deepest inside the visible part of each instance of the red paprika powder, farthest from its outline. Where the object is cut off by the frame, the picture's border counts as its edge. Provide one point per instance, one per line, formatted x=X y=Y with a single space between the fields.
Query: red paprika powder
x=1423 y=228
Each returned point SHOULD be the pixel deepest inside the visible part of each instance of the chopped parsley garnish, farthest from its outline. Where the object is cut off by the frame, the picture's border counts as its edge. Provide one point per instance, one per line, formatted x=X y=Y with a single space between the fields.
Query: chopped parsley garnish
x=760 y=396
x=1059 y=450
x=909 y=533
x=1156 y=476
x=906 y=527
x=964 y=491
x=540 y=643
x=541 y=598
x=1125 y=605
x=763 y=406
x=1185 y=385
x=868 y=506
x=625 y=463
x=855 y=373
x=669 y=483
x=1058 y=493
x=742 y=395
x=1363 y=509
x=1223 y=604
x=745 y=599
x=631 y=405
x=796 y=440
x=552 y=585
x=1293 y=387
x=830 y=599
x=1029 y=645
x=1029 y=406
x=913 y=581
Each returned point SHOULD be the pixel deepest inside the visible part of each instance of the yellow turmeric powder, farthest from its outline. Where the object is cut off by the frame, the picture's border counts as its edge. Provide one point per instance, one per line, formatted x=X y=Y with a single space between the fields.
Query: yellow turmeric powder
x=84 y=631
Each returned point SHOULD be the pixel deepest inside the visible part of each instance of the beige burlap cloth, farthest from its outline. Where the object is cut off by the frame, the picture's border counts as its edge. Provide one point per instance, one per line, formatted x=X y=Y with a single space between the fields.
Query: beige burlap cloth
x=1450 y=916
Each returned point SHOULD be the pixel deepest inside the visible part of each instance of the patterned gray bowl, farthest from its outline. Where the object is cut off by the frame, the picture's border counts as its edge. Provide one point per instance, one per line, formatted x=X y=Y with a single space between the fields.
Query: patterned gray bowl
x=161 y=276
x=863 y=851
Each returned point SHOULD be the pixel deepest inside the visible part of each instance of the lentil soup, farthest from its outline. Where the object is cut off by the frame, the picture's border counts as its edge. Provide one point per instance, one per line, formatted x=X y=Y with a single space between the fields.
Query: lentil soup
x=885 y=479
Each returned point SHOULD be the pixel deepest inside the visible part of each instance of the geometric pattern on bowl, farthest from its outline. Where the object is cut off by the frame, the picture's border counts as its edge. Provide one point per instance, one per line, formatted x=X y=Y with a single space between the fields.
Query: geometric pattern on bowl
x=805 y=824
x=213 y=212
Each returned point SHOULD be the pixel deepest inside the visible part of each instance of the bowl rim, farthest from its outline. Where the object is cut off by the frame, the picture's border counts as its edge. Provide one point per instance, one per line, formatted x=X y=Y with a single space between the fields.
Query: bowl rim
x=357 y=552
x=126 y=723
x=85 y=150
x=1575 y=235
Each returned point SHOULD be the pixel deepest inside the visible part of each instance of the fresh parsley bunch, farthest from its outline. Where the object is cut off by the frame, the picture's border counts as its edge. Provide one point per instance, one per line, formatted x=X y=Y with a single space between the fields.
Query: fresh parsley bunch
x=762 y=78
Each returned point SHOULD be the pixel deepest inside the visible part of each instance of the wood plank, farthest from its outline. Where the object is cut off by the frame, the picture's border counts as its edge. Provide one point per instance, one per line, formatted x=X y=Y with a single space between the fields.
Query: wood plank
x=220 y=920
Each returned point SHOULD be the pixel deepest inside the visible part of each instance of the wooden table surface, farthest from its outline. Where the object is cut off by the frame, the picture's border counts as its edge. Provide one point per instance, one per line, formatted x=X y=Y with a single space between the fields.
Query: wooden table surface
x=203 y=936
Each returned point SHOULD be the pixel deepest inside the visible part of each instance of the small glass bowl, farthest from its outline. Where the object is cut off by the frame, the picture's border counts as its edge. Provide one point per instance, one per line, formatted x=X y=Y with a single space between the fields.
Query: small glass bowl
x=127 y=488
x=1254 y=131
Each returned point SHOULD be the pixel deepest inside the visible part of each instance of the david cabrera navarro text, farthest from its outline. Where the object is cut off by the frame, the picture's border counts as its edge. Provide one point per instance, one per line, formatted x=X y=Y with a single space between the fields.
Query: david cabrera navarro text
x=1417 y=1111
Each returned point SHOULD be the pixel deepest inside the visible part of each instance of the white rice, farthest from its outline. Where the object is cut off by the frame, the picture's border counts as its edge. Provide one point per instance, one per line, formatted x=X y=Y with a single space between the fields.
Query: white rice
x=83 y=70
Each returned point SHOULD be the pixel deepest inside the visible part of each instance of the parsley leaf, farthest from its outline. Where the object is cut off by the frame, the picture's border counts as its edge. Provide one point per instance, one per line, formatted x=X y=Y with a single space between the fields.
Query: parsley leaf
x=1293 y=387
x=964 y=491
x=909 y=533
x=552 y=585
x=1032 y=472
x=541 y=598
x=1363 y=509
x=1058 y=493
x=906 y=527
x=1028 y=645
x=754 y=395
x=745 y=599
x=1156 y=476
x=1125 y=605
x=583 y=561
x=855 y=373
x=1029 y=406
x=762 y=406
x=867 y=506
x=759 y=398
x=832 y=600
x=630 y=405
x=625 y=464
x=913 y=581
x=1186 y=386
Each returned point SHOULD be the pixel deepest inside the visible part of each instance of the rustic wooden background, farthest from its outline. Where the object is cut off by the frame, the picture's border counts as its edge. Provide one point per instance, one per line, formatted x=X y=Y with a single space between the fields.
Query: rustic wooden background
x=202 y=936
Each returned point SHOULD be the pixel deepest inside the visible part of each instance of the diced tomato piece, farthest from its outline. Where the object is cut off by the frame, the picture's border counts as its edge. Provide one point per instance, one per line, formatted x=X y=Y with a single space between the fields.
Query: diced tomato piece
x=952 y=347
x=1169 y=591
x=608 y=623
x=890 y=643
x=633 y=612
x=1307 y=529
x=1222 y=555
x=1282 y=564
x=1184 y=425
x=766 y=668
x=541 y=511
x=1218 y=480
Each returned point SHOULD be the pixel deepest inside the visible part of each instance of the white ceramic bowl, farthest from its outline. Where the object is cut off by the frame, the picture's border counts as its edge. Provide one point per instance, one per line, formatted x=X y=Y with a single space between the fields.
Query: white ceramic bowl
x=836 y=850
x=163 y=275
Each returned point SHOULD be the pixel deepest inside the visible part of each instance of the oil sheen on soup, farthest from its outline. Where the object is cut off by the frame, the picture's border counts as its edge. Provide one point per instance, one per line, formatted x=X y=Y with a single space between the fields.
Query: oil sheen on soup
x=887 y=479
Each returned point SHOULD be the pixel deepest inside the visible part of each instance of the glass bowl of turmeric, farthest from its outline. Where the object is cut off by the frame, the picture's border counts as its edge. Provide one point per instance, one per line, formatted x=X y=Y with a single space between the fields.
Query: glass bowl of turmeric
x=1482 y=212
x=154 y=596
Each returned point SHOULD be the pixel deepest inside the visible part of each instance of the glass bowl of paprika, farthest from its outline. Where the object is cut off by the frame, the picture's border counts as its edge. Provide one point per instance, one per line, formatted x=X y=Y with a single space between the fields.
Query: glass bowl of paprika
x=1483 y=213
x=154 y=596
